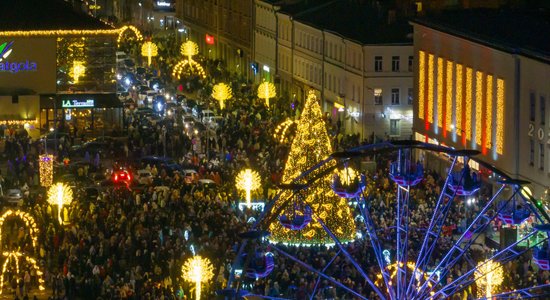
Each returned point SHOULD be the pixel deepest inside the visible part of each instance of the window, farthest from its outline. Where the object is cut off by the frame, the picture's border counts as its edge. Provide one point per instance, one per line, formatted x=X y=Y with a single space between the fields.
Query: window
x=410 y=96
x=532 y=107
x=394 y=127
x=542 y=110
x=395 y=63
x=394 y=96
x=378 y=63
x=15 y=99
x=411 y=61
x=541 y=156
x=378 y=96
x=531 y=152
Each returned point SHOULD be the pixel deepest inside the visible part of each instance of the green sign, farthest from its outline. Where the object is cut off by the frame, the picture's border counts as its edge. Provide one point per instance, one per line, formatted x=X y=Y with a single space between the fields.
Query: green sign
x=78 y=103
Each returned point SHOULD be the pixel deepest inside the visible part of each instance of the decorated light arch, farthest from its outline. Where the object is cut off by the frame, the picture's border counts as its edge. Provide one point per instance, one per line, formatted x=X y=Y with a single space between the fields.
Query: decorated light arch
x=282 y=130
x=14 y=257
x=29 y=222
x=125 y=30
x=188 y=49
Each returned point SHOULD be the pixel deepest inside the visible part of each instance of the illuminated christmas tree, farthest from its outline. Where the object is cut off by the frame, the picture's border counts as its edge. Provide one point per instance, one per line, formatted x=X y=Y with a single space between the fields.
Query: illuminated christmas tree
x=309 y=147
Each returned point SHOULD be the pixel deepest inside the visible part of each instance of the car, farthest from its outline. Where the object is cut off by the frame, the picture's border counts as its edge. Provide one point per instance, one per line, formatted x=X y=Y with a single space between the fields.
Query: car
x=188 y=122
x=208 y=116
x=207 y=183
x=14 y=197
x=144 y=176
x=162 y=163
x=189 y=175
x=121 y=176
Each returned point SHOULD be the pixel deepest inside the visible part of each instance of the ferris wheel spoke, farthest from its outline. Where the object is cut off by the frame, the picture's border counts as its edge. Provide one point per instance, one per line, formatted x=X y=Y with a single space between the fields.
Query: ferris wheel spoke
x=350 y=258
x=313 y=270
x=375 y=242
x=402 y=230
x=526 y=293
x=323 y=271
x=452 y=256
x=434 y=229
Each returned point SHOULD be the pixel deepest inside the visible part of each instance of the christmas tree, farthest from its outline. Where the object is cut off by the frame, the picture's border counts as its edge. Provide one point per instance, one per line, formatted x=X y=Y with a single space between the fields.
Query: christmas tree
x=311 y=145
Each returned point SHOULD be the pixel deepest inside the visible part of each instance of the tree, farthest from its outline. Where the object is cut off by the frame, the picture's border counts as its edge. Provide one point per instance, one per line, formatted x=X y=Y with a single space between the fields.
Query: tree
x=309 y=147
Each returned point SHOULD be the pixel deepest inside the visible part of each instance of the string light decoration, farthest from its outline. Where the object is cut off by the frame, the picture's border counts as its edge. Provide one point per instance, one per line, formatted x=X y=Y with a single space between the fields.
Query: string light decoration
x=459 y=100
x=421 y=83
x=393 y=269
x=311 y=145
x=500 y=117
x=282 y=130
x=78 y=70
x=14 y=257
x=149 y=50
x=440 y=82
x=50 y=33
x=124 y=30
x=448 y=98
x=45 y=168
x=469 y=102
x=222 y=92
x=197 y=270
x=489 y=113
x=248 y=180
x=479 y=106
x=189 y=49
x=60 y=194
x=348 y=175
x=27 y=219
x=488 y=276
x=28 y=122
x=266 y=90
x=430 y=88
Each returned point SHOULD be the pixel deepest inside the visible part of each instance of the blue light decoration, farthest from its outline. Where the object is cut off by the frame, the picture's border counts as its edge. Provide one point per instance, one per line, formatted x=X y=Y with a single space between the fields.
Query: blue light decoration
x=254 y=67
x=186 y=235
x=386 y=254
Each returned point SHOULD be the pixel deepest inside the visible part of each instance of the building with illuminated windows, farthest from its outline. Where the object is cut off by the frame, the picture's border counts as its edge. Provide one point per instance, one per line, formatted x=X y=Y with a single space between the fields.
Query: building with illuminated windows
x=56 y=68
x=481 y=82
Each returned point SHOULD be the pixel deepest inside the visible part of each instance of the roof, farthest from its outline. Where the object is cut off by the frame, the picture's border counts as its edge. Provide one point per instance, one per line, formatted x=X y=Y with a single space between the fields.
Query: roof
x=27 y=15
x=362 y=22
x=514 y=31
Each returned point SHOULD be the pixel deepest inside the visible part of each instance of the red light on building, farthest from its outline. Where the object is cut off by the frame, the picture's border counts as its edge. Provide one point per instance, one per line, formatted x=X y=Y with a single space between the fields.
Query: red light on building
x=209 y=39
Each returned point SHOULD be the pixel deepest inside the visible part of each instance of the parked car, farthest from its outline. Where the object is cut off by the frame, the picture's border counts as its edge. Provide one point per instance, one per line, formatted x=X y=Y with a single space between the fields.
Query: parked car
x=189 y=175
x=144 y=176
x=14 y=197
x=162 y=163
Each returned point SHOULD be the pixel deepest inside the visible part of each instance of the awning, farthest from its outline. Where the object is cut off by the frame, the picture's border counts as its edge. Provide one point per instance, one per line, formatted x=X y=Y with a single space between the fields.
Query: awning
x=80 y=101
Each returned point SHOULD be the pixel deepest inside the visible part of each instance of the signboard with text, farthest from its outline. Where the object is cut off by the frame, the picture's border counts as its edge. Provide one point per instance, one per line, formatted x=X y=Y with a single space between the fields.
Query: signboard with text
x=89 y=103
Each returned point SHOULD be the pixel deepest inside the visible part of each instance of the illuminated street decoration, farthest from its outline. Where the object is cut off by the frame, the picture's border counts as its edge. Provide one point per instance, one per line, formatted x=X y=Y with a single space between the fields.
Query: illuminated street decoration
x=488 y=276
x=149 y=50
x=421 y=83
x=197 y=270
x=60 y=194
x=282 y=130
x=27 y=219
x=45 y=166
x=60 y=32
x=266 y=90
x=14 y=257
x=78 y=70
x=500 y=116
x=124 y=32
x=248 y=180
x=222 y=92
x=410 y=269
x=188 y=49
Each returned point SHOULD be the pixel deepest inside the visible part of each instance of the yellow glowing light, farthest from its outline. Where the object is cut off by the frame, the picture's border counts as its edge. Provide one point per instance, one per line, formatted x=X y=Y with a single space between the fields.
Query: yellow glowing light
x=14 y=256
x=27 y=219
x=488 y=276
x=45 y=168
x=78 y=70
x=248 y=180
x=440 y=95
x=310 y=145
x=197 y=270
x=479 y=106
x=128 y=29
x=469 y=102
x=489 y=113
x=266 y=90
x=189 y=49
x=348 y=176
x=409 y=269
x=70 y=32
x=500 y=116
x=149 y=50
x=449 y=97
x=281 y=130
x=459 y=99
x=222 y=92
x=421 y=83
x=430 y=88
x=60 y=194
x=192 y=65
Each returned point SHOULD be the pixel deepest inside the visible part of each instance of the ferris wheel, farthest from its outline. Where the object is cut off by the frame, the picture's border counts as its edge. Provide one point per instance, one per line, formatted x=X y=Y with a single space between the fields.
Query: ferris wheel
x=403 y=271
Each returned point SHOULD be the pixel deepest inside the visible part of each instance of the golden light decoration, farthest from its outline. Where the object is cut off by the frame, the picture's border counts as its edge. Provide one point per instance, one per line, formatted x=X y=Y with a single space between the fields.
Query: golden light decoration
x=479 y=106
x=421 y=83
x=60 y=194
x=430 y=88
x=60 y=32
x=311 y=145
x=222 y=92
x=266 y=90
x=198 y=270
x=27 y=219
x=488 y=276
x=348 y=175
x=194 y=67
x=410 y=268
x=500 y=116
x=78 y=70
x=130 y=29
x=489 y=113
x=248 y=180
x=440 y=95
x=149 y=50
x=469 y=103
x=282 y=129
x=14 y=256
x=449 y=96
x=45 y=168
x=189 y=49
x=459 y=100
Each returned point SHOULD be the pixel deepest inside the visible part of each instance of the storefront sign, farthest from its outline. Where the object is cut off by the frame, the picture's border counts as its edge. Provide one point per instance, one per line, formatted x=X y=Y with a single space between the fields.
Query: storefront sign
x=14 y=66
x=78 y=103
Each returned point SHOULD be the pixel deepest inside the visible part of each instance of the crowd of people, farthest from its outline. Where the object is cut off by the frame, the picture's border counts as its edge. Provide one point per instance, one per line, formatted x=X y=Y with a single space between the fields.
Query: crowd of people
x=130 y=243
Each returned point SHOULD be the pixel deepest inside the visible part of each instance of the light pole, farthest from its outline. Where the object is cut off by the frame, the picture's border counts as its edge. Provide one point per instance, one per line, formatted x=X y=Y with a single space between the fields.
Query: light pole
x=140 y=15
